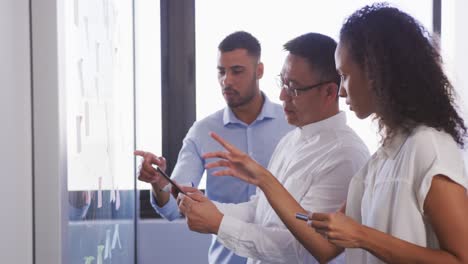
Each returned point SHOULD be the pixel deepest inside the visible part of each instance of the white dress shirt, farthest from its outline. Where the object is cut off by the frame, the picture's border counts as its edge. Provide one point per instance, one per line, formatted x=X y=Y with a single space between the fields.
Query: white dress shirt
x=315 y=164
x=388 y=193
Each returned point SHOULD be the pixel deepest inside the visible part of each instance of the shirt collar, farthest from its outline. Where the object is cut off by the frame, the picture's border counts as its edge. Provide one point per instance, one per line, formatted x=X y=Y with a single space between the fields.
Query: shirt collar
x=393 y=146
x=334 y=122
x=267 y=112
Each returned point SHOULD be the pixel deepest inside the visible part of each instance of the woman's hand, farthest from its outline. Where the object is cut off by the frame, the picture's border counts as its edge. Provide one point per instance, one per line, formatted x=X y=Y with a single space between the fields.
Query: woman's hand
x=235 y=162
x=338 y=228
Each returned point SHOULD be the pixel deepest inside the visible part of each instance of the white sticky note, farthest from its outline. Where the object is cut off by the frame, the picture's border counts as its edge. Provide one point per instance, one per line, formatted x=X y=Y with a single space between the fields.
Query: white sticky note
x=78 y=134
x=116 y=238
x=100 y=250
x=76 y=12
x=112 y=196
x=97 y=46
x=99 y=196
x=107 y=249
x=86 y=118
x=80 y=76
x=117 y=199
x=88 y=197
x=86 y=25
x=105 y=14
x=96 y=86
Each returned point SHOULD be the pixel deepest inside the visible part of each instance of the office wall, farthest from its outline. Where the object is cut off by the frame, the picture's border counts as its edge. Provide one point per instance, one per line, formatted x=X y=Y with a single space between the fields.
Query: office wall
x=459 y=56
x=49 y=133
x=461 y=53
x=454 y=42
x=160 y=241
x=15 y=134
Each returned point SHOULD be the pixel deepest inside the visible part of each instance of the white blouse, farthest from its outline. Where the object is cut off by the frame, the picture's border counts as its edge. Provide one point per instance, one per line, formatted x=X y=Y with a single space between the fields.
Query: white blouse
x=388 y=193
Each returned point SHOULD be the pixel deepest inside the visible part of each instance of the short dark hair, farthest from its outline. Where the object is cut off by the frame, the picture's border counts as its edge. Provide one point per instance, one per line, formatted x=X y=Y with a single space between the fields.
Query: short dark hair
x=403 y=61
x=319 y=51
x=241 y=40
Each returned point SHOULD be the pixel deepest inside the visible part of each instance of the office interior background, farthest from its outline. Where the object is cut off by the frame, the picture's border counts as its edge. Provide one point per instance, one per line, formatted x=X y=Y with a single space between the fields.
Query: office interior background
x=85 y=82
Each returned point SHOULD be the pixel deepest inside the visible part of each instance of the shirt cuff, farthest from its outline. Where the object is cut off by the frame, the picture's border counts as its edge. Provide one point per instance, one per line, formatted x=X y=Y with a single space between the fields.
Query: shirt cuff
x=230 y=232
x=170 y=210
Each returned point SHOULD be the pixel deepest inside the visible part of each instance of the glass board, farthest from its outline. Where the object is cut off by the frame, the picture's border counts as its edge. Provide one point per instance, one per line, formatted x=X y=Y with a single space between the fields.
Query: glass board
x=98 y=77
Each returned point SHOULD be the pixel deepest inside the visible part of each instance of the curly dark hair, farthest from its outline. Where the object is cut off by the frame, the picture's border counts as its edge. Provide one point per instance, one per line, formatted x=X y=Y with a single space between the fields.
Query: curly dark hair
x=403 y=62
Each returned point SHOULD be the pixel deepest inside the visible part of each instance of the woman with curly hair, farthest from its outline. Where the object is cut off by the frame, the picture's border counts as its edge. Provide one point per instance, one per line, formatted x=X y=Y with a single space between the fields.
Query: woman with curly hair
x=409 y=203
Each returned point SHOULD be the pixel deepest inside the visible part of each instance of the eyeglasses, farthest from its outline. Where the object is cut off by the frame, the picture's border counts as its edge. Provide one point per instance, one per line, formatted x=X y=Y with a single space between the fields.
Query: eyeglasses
x=293 y=91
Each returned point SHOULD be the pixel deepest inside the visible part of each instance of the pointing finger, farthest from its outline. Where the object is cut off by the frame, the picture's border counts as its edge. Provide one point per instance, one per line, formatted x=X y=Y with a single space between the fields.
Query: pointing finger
x=223 y=142
x=140 y=153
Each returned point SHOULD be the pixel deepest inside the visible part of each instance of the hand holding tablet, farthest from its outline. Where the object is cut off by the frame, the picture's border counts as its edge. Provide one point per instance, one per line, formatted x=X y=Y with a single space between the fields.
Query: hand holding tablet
x=172 y=183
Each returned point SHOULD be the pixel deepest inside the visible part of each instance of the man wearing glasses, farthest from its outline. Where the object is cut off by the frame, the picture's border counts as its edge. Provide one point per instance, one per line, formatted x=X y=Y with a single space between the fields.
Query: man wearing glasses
x=315 y=161
x=250 y=121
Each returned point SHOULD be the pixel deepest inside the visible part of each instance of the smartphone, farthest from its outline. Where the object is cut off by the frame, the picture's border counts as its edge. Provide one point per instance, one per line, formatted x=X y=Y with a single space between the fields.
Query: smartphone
x=174 y=185
x=301 y=216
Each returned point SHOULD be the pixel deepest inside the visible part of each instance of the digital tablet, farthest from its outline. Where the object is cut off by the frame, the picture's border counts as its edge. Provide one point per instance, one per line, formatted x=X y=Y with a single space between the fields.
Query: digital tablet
x=176 y=187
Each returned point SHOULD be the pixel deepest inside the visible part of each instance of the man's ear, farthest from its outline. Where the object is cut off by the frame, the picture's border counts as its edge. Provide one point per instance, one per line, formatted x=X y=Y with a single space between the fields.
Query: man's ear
x=332 y=91
x=259 y=72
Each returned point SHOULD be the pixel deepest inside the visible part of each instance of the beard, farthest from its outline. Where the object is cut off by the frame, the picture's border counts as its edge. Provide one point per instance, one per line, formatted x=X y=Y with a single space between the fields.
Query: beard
x=233 y=97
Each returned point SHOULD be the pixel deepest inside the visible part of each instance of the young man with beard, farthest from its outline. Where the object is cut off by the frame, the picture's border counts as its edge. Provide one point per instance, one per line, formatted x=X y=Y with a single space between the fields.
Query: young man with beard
x=250 y=121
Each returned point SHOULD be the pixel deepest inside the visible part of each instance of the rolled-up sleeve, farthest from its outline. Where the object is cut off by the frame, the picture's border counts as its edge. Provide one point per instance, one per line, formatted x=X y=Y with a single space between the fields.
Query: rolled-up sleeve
x=269 y=244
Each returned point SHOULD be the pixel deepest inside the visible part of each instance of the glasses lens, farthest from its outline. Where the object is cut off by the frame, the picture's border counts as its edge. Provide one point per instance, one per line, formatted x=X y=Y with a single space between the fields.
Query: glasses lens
x=284 y=86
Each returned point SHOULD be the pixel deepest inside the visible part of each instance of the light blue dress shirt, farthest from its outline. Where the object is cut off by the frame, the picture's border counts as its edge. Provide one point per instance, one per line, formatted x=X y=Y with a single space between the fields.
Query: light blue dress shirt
x=258 y=139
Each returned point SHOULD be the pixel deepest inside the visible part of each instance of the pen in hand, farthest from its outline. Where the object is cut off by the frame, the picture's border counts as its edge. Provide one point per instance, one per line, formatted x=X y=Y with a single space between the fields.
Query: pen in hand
x=302 y=217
